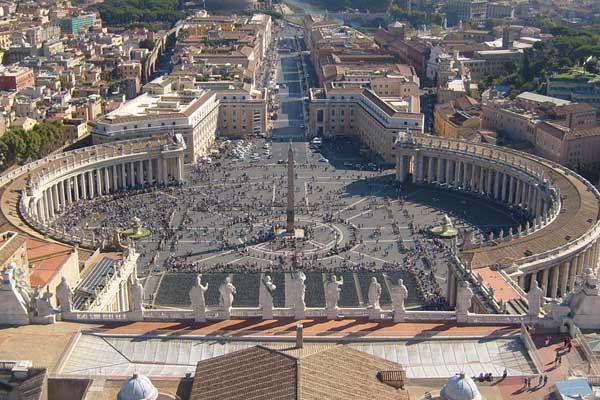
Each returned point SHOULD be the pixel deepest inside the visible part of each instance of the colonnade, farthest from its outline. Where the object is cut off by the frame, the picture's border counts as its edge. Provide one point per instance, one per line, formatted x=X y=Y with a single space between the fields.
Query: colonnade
x=486 y=178
x=558 y=278
x=518 y=181
x=106 y=178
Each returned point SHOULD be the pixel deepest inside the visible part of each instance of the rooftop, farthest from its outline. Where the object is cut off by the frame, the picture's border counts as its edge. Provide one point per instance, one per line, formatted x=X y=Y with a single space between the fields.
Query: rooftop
x=334 y=373
x=539 y=98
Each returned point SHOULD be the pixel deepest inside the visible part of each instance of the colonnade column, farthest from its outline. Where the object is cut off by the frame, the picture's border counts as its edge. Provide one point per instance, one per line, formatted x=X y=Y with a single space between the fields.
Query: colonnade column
x=90 y=176
x=564 y=278
x=544 y=284
x=107 y=189
x=141 y=172
x=131 y=174
x=448 y=171
x=554 y=282
x=457 y=166
x=76 y=187
x=150 y=172
x=55 y=197
x=573 y=272
x=61 y=194
x=429 y=169
x=165 y=173
x=497 y=185
x=68 y=191
x=438 y=174
x=123 y=177
x=83 y=186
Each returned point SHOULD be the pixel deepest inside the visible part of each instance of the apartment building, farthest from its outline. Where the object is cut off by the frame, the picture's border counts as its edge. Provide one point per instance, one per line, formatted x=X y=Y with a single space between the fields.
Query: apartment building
x=356 y=110
x=16 y=78
x=457 y=119
x=241 y=114
x=191 y=113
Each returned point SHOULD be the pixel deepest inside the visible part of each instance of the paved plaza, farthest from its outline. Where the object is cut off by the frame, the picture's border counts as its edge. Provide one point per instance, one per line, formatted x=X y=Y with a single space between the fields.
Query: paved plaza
x=357 y=221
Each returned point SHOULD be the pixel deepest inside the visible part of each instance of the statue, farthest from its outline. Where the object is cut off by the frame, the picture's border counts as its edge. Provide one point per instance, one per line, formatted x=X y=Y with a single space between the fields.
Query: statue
x=374 y=293
x=136 y=294
x=197 y=298
x=299 y=288
x=534 y=297
x=463 y=298
x=42 y=306
x=226 y=292
x=332 y=295
x=266 y=297
x=399 y=296
x=64 y=295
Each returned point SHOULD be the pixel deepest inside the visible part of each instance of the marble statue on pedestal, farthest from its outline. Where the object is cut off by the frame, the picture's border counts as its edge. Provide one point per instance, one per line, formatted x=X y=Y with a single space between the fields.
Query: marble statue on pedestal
x=42 y=307
x=299 y=288
x=374 y=296
x=463 y=298
x=226 y=292
x=374 y=293
x=265 y=300
x=15 y=308
x=399 y=295
x=197 y=298
x=332 y=296
x=64 y=296
x=136 y=294
x=582 y=305
x=534 y=298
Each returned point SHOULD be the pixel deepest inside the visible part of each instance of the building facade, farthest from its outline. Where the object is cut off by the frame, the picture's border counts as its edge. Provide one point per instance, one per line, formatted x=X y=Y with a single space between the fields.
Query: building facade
x=191 y=113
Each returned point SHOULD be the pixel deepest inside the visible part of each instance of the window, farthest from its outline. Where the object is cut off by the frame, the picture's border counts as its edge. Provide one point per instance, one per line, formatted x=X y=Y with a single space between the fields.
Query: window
x=173 y=122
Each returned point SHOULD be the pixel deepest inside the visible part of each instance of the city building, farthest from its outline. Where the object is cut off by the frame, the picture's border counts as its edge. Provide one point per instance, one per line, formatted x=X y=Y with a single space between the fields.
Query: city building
x=577 y=86
x=191 y=113
x=564 y=132
x=458 y=119
x=356 y=110
x=241 y=114
x=337 y=50
x=78 y=24
x=458 y=11
x=16 y=78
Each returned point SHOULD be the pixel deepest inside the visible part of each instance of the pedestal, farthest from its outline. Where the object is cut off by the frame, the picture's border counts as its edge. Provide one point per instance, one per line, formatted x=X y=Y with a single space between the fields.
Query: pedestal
x=332 y=313
x=200 y=316
x=267 y=313
x=225 y=314
x=462 y=317
x=399 y=315
x=299 y=312
x=135 y=315
x=374 y=313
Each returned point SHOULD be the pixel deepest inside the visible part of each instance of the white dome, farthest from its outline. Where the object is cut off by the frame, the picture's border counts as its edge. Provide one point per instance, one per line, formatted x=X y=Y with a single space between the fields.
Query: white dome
x=137 y=387
x=460 y=387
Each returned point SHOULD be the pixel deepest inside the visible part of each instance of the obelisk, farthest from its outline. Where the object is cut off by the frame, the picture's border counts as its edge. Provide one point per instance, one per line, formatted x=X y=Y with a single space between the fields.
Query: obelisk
x=290 y=228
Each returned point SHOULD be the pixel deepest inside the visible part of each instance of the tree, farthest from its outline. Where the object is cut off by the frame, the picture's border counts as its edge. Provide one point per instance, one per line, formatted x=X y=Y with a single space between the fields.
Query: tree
x=147 y=44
